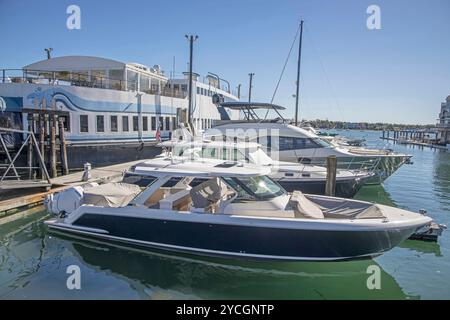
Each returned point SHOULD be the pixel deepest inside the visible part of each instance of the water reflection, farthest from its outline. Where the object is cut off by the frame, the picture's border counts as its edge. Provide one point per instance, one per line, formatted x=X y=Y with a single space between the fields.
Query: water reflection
x=441 y=178
x=33 y=265
x=231 y=279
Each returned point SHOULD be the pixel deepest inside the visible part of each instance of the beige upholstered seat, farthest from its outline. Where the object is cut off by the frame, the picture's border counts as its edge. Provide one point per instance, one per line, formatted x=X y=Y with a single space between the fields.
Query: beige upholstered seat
x=207 y=193
x=305 y=208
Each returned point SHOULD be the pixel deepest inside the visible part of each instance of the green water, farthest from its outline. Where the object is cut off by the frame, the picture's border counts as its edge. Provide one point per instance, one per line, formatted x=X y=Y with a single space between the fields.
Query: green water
x=33 y=263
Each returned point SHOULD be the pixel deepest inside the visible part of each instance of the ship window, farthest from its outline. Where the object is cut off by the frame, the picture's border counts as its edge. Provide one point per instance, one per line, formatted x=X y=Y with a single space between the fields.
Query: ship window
x=144 y=83
x=154 y=83
x=132 y=80
x=100 y=124
x=114 y=125
x=80 y=78
x=98 y=78
x=153 y=123
x=125 y=124
x=135 y=123
x=116 y=79
x=145 y=123
x=292 y=143
x=66 y=122
x=167 y=123
x=198 y=90
x=174 y=123
x=161 y=123
x=84 y=124
x=184 y=87
x=116 y=74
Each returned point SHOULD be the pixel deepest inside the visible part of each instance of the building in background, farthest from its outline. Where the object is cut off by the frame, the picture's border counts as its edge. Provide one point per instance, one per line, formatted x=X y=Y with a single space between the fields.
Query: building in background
x=444 y=123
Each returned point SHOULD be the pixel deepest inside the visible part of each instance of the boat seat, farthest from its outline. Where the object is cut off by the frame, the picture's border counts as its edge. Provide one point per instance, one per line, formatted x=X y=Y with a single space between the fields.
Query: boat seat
x=174 y=200
x=206 y=194
x=305 y=208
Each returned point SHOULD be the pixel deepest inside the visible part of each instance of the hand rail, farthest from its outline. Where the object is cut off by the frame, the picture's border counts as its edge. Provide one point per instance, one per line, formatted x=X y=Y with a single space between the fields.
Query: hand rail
x=82 y=80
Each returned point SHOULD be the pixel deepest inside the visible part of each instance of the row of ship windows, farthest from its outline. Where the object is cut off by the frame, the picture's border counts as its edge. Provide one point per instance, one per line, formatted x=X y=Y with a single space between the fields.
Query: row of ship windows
x=204 y=92
x=164 y=123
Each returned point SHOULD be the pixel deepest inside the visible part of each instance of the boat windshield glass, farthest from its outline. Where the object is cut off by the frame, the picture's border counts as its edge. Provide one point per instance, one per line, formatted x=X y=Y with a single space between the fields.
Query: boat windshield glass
x=322 y=143
x=260 y=188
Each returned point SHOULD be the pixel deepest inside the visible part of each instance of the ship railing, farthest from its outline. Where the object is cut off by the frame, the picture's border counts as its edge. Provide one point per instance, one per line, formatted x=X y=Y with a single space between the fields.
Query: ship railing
x=79 y=79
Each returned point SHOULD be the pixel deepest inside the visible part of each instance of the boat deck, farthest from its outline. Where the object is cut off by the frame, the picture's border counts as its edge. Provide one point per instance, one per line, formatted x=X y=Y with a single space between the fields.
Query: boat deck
x=13 y=196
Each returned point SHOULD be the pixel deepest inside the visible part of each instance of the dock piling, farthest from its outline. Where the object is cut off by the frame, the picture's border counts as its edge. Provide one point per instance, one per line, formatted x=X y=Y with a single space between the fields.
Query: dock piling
x=63 y=151
x=53 y=146
x=330 y=186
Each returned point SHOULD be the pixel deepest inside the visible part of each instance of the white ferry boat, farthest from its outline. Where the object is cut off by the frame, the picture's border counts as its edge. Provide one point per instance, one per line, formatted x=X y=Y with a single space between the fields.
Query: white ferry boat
x=113 y=111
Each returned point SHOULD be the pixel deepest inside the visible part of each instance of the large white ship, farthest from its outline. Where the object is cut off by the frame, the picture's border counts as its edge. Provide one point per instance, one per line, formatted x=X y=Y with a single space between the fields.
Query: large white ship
x=113 y=111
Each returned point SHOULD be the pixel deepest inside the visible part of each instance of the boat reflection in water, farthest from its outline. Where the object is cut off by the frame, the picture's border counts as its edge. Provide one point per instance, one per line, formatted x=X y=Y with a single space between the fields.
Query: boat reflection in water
x=162 y=276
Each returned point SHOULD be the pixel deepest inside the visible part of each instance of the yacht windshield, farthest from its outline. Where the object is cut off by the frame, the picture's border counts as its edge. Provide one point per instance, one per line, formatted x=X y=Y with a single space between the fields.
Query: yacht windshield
x=322 y=142
x=255 y=187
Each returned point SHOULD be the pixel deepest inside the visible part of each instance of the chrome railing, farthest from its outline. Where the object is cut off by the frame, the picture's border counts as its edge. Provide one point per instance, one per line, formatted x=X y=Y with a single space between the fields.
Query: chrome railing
x=70 y=78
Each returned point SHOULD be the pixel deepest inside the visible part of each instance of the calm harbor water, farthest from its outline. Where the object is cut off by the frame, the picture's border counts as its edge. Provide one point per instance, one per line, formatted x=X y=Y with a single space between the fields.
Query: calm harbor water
x=33 y=263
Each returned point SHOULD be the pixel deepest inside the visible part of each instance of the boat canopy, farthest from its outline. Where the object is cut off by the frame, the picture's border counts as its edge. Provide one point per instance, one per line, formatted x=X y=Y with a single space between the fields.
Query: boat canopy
x=202 y=169
x=248 y=108
x=238 y=105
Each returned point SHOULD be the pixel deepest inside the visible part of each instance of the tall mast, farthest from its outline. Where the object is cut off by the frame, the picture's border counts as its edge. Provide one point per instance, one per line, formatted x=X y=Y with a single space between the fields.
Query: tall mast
x=298 y=72
x=191 y=49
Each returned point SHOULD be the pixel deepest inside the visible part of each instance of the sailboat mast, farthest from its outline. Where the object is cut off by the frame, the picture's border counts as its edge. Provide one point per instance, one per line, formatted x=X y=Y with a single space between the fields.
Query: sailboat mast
x=298 y=72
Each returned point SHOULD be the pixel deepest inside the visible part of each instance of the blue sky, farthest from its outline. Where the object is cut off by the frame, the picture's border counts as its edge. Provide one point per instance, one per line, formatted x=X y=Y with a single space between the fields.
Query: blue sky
x=400 y=73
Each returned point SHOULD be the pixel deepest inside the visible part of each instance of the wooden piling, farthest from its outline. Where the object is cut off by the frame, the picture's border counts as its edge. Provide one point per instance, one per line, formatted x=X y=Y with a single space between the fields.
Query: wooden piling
x=30 y=119
x=53 y=146
x=42 y=141
x=330 y=186
x=62 y=149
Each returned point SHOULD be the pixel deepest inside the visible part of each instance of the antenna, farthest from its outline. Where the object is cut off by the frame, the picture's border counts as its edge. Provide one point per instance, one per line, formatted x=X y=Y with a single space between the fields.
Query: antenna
x=49 y=52
x=250 y=87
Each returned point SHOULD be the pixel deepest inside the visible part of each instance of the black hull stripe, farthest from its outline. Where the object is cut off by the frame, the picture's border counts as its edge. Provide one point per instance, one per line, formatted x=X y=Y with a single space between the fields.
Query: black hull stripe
x=198 y=251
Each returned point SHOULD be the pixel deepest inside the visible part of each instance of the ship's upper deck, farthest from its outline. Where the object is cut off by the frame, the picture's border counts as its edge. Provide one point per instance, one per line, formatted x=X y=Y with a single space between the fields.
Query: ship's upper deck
x=98 y=72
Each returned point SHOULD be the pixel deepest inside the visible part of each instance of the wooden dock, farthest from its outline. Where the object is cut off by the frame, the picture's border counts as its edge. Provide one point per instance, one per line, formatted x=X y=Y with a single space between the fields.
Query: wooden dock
x=99 y=175
x=411 y=137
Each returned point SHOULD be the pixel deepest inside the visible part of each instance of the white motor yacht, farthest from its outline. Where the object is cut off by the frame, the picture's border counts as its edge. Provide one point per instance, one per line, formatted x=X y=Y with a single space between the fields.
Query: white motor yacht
x=232 y=210
x=294 y=144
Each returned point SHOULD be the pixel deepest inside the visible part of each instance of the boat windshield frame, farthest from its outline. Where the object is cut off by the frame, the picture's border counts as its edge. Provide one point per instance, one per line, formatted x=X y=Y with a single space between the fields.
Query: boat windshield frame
x=322 y=143
x=245 y=192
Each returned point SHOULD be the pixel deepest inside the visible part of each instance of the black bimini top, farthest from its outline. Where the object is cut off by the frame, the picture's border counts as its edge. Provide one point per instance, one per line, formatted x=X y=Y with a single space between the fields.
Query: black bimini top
x=248 y=108
x=238 y=105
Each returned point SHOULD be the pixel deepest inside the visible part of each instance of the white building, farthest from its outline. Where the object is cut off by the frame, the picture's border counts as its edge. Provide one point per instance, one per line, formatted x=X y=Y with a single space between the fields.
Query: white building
x=444 y=122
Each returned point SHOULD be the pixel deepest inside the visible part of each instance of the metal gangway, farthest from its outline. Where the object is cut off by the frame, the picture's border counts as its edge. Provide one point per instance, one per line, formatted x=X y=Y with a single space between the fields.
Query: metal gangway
x=12 y=174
